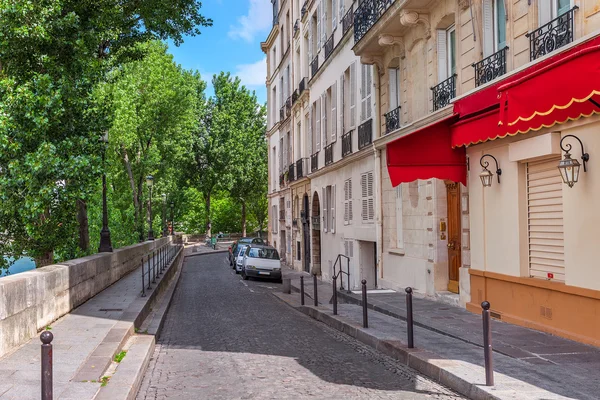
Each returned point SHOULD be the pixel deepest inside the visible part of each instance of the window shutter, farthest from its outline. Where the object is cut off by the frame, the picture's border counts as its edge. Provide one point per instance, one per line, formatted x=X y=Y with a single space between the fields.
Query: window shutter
x=309 y=129
x=342 y=104
x=323 y=23
x=364 y=199
x=319 y=12
x=350 y=214
x=363 y=92
x=545 y=12
x=371 y=199
x=393 y=74
x=342 y=9
x=369 y=88
x=324 y=118
x=334 y=14
x=324 y=191
x=318 y=124
x=346 y=202
x=399 y=218
x=334 y=112
x=442 y=57
x=488 y=27
x=310 y=41
x=353 y=94
x=332 y=209
x=346 y=248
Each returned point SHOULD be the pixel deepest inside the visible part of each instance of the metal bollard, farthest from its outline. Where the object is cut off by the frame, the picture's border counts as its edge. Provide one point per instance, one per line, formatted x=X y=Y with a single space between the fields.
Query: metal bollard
x=409 y=317
x=335 y=295
x=143 y=281
x=364 y=301
x=149 y=273
x=302 y=290
x=46 y=337
x=487 y=344
x=316 y=294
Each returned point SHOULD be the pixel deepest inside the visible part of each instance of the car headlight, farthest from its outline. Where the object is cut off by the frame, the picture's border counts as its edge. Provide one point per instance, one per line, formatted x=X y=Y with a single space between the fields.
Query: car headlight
x=250 y=267
x=276 y=269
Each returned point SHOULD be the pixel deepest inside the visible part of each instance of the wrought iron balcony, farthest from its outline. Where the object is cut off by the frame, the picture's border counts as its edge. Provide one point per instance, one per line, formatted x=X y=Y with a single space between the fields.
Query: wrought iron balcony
x=329 y=47
x=314 y=66
x=314 y=162
x=300 y=168
x=291 y=173
x=329 y=154
x=288 y=106
x=282 y=215
x=295 y=96
x=302 y=86
x=555 y=34
x=282 y=113
x=367 y=14
x=365 y=134
x=443 y=92
x=347 y=21
x=296 y=27
x=490 y=67
x=346 y=144
x=392 y=120
x=295 y=223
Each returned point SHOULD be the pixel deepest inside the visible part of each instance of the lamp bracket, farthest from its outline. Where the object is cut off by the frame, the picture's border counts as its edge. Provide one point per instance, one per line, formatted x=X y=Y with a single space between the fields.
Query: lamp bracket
x=486 y=164
x=567 y=148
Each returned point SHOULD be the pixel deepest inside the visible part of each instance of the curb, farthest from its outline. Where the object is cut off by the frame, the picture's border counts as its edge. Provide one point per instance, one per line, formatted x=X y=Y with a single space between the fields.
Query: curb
x=206 y=253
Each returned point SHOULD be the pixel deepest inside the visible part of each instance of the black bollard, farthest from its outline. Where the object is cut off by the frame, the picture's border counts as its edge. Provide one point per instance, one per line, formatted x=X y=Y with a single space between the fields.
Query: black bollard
x=302 y=290
x=409 y=318
x=334 y=295
x=315 y=290
x=46 y=338
x=364 y=301
x=143 y=280
x=487 y=344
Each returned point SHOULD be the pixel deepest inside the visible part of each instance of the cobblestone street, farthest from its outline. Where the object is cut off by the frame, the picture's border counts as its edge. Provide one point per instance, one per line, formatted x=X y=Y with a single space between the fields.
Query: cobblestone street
x=225 y=338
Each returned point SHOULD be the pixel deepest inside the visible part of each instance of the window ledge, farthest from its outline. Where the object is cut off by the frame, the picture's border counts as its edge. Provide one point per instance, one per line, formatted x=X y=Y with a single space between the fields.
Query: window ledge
x=399 y=252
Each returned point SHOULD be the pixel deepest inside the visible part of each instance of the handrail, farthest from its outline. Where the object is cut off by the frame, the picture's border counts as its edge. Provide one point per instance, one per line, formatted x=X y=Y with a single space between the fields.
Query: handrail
x=340 y=272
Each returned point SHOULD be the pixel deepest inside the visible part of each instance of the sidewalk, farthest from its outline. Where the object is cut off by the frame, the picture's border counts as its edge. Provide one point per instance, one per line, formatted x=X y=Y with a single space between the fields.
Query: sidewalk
x=559 y=366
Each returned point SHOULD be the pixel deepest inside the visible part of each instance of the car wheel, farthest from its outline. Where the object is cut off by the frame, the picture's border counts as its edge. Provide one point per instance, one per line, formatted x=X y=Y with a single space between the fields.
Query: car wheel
x=244 y=276
x=236 y=271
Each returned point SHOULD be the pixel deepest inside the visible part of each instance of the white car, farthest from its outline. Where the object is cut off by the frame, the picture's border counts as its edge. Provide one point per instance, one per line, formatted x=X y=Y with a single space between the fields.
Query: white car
x=239 y=259
x=261 y=262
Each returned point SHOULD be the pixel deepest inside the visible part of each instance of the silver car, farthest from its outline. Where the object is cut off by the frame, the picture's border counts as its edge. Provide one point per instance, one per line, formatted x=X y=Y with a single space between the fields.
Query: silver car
x=261 y=262
x=239 y=259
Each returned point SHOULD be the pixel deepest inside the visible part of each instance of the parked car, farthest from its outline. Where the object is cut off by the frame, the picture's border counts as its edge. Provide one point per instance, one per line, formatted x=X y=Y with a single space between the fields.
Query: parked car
x=241 y=249
x=245 y=240
x=261 y=261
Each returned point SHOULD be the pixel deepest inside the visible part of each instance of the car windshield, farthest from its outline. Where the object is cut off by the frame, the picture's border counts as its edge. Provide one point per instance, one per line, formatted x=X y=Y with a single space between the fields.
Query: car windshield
x=270 y=254
x=258 y=241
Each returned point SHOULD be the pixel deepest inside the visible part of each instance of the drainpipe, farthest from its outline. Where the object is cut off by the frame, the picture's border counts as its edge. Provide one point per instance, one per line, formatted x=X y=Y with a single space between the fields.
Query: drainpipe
x=378 y=176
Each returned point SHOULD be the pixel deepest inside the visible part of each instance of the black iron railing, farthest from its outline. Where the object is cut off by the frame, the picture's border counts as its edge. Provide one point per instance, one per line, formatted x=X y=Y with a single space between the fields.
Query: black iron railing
x=282 y=113
x=555 y=34
x=365 y=134
x=329 y=154
x=302 y=85
x=314 y=66
x=288 y=106
x=443 y=92
x=314 y=162
x=281 y=180
x=296 y=27
x=490 y=67
x=328 y=47
x=300 y=168
x=347 y=21
x=347 y=143
x=392 y=120
x=295 y=95
x=295 y=223
x=282 y=215
x=367 y=14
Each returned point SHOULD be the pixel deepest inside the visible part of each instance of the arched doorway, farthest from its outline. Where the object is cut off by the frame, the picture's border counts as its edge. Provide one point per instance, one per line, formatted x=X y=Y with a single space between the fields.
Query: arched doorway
x=316 y=234
x=306 y=232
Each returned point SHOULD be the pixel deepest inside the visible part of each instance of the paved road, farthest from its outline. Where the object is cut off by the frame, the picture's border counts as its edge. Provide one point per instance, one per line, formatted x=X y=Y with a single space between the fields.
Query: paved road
x=225 y=338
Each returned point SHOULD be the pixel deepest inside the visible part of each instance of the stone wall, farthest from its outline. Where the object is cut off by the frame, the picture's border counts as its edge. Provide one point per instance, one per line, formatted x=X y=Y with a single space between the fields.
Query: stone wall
x=32 y=300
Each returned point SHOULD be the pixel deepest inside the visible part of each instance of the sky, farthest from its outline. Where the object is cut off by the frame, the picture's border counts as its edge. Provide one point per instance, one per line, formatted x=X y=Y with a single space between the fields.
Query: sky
x=232 y=44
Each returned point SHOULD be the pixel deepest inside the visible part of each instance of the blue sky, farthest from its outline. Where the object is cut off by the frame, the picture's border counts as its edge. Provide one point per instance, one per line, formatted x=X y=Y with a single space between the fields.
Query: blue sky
x=231 y=44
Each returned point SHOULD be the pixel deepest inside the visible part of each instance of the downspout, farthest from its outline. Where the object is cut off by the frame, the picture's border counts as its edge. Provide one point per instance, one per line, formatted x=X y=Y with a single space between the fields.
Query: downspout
x=378 y=177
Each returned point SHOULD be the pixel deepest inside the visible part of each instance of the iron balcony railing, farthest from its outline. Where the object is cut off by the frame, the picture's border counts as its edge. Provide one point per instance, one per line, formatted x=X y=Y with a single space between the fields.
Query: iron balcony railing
x=282 y=113
x=365 y=134
x=302 y=85
x=490 y=67
x=347 y=21
x=555 y=34
x=295 y=96
x=288 y=106
x=329 y=154
x=392 y=120
x=291 y=173
x=367 y=14
x=295 y=223
x=329 y=47
x=346 y=144
x=296 y=27
x=300 y=168
x=314 y=66
x=314 y=162
x=443 y=92
x=282 y=215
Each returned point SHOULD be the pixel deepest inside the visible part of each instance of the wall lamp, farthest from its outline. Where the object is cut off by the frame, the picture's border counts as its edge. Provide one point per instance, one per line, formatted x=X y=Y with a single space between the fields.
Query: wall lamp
x=486 y=175
x=569 y=168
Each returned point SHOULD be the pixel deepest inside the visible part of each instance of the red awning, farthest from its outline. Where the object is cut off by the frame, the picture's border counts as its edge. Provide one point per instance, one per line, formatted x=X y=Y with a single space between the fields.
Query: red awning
x=426 y=154
x=561 y=88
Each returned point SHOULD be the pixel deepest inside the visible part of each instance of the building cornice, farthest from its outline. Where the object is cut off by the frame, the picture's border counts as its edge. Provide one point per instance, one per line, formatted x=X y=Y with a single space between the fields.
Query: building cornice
x=266 y=45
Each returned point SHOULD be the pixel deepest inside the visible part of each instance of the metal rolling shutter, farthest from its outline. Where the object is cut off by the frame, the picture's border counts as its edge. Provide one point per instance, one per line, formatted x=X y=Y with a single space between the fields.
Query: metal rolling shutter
x=545 y=220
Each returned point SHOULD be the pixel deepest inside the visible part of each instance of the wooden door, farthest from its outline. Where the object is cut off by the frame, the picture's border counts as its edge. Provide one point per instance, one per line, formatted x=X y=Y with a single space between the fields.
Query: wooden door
x=454 y=235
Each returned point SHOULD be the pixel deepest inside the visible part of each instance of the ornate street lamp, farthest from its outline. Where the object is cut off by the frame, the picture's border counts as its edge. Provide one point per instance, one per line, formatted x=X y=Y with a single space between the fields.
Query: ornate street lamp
x=150 y=183
x=105 y=243
x=486 y=175
x=164 y=215
x=569 y=168
x=172 y=219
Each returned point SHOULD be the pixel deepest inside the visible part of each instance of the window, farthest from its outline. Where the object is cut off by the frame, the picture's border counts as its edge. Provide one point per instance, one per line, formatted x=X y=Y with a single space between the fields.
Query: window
x=281 y=156
x=368 y=202
x=494 y=26
x=394 y=74
x=550 y=9
x=298 y=141
x=329 y=209
x=324 y=112
x=274 y=219
x=545 y=220
x=333 y=103
x=352 y=76
x=348 y=213
x=446 y=47
x=399 y=219
x=349 y=248
x=365 y=92
x=268 y=254
x=317 y=112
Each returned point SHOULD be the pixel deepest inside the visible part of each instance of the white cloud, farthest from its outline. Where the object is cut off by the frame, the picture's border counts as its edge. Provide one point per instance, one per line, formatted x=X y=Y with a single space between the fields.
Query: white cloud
x=254 y=74
x=259 y=19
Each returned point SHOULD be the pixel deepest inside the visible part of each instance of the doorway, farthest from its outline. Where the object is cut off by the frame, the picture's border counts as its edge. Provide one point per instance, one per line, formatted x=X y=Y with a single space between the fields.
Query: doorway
x=316 y=235
x=306 y=233
x=454 y=235
x=368 y=263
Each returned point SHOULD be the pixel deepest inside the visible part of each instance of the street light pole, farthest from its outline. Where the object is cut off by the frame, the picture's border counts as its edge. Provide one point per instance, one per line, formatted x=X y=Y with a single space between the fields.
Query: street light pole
x=172 y=219
x=164 y=215
x=105 y=242
x=150 y=182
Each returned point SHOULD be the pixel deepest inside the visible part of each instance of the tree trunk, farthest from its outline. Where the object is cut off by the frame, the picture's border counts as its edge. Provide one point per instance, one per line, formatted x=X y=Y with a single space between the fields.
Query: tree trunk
x=243 y=219
x=44 y=259
x=84 y=229
x=207 y=209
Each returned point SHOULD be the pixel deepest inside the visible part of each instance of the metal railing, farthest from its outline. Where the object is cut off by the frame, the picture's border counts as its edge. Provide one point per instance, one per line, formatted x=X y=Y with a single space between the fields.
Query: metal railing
x=367 y=14
x=314 y=162
x=365 y=134
x=288 y=106
x=392 y=120
x=328 y=47
x=339 y=272
x=443 y=92
x=157 y=263
x=295 y=96
x=551 y=36
x=314 y=66
x=300 y=168
x=291 y=173
x=347 y=143
x=490 y=67
x=347 y=21
x=329 y=154
x=302 y=86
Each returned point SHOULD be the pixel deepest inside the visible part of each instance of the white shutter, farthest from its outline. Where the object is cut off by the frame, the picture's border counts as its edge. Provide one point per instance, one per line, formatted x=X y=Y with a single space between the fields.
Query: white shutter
x=319 y=12
x=342 y=9
x=332 y=228
x=545 y=11
x=545 y=220
x=346 y=202
x=488 y=28
x=363 y=92
x=334 y=112
x=324 y=191
x=399 y=219
x=393 y=74
x=342 y=105
x=350 y=213
x=371 y=197
x=353 y=94
x=369 y=70
x=334 y=14
x=318 y=124
x=309 y=129
x=324 y=118
x=323 y=23
x=310 y=42
x=442 y=57
x=364 y=198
